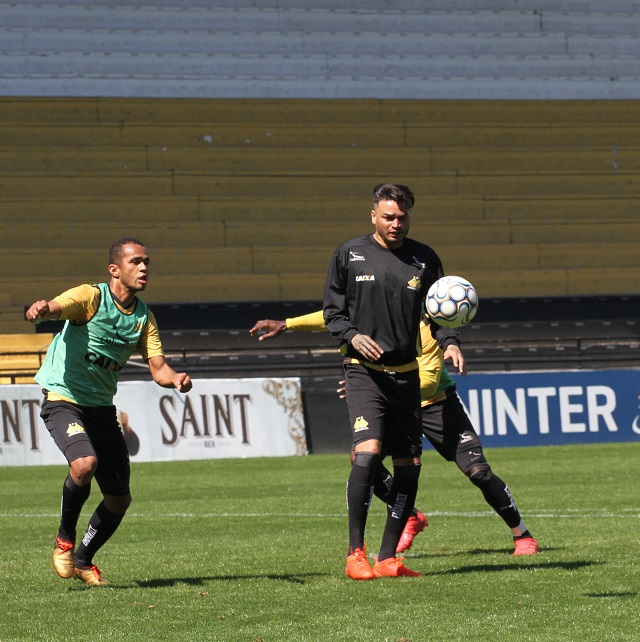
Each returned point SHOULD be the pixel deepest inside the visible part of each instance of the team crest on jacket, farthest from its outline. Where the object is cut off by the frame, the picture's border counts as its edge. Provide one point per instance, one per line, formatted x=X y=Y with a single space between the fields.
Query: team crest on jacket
x=74 y=429
x=360 y=424
x=414 y=283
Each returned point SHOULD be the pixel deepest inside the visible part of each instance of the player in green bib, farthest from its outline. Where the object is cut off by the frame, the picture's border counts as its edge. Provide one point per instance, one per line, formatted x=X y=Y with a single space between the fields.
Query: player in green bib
x=104 y=325
x=84 y=360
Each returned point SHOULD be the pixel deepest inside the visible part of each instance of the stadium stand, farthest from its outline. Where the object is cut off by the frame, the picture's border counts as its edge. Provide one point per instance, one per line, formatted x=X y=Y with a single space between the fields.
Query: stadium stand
x=242 y=161
x=258 y=221
x=487 y=49
x=21 y=355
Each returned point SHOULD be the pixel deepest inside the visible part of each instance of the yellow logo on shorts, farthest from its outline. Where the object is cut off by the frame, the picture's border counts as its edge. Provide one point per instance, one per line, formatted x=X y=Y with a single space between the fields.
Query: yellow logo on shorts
x=74 y=429
x=360 y=424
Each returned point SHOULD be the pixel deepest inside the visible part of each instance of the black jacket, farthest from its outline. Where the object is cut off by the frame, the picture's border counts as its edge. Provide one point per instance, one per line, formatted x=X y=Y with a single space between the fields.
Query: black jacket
x=379 y=292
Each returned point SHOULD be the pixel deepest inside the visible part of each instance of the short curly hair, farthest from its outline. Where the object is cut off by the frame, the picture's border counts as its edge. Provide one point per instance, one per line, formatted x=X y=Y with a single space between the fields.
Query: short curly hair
x=116 y=250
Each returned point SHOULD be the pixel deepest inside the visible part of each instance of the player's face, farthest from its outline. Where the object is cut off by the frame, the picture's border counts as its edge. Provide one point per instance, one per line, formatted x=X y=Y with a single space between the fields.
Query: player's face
x=133 y=268
x=392 y=224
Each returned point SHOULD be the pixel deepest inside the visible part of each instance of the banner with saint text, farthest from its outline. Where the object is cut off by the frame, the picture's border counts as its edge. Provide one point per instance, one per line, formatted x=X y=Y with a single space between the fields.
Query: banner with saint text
x=218 y=418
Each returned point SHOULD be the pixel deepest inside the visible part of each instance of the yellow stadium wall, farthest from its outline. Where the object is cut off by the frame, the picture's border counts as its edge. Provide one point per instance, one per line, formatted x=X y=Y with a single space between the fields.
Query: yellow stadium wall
x=245 y=200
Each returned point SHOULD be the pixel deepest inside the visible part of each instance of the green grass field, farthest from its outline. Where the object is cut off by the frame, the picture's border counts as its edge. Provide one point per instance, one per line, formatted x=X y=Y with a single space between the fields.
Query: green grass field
x=253 y=550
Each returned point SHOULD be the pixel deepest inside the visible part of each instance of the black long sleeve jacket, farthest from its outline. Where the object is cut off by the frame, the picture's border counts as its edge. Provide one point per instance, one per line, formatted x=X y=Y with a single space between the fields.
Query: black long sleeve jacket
x=379 y=292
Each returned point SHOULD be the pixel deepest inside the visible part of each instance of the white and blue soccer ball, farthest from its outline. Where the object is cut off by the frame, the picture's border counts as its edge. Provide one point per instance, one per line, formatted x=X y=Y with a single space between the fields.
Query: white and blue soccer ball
x=452 y=301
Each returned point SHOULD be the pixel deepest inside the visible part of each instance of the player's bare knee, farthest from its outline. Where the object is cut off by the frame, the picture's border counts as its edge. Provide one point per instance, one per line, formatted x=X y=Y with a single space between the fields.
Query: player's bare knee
x=83 y=469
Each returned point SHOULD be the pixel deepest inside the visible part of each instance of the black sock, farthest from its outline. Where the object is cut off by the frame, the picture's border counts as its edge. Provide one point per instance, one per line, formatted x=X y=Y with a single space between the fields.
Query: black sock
x=498 y=496
x=359 y=490
x=382 y=485
x=382 y=482
x=525 y=534
x=399 y=507
x=73 y=499
x=102 y=526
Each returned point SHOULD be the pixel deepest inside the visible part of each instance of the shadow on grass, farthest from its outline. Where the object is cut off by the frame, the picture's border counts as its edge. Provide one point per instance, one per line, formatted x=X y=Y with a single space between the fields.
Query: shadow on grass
x=498 y=568
x=474 y=551
x=295 y=578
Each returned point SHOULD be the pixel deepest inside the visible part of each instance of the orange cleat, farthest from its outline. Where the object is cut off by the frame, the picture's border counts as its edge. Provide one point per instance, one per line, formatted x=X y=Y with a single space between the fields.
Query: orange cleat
x=358 y=567
x=525 y=546
x=415 y=525
x=63 y=558
x=393 y=567
x=90 y=575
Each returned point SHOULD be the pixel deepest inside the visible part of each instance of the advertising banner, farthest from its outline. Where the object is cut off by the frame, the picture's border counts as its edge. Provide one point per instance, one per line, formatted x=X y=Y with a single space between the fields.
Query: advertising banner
x=552 y=408
x=218 y=418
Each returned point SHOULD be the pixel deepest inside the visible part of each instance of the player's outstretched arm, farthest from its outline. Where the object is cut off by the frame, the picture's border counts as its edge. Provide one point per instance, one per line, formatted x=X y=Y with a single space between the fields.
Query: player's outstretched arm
x=164 y=375
x=454 y=353
x=42 y=311
x=311 y=322
x=269 y=327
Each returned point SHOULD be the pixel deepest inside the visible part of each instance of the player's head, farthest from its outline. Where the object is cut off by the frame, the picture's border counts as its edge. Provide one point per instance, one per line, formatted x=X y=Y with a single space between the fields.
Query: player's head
x=129 y=263
x=390 y=214
x=395 y=192
x=117 y=251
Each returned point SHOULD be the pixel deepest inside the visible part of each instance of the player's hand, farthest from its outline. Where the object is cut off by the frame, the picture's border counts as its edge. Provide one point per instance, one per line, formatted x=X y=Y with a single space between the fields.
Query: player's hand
x=367 y=347
x=342 y=390
x=454 y=353
x=182 y=382
x=38 y=311
x=270 y=327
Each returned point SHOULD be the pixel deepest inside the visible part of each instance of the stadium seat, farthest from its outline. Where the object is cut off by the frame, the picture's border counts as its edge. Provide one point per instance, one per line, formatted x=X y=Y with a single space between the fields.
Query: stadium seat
x=21 y=355
x=243 y=162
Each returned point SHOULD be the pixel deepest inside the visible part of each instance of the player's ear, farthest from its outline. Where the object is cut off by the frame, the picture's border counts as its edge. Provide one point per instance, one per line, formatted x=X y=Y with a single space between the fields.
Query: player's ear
x=114 y=270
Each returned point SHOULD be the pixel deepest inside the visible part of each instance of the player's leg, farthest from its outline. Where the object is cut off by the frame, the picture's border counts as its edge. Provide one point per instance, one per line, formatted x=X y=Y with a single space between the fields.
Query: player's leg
x=366 y=413
x=359 y=490
x=403 y=437
x=359 y=494
x=65 y=423
x=417 y=521
x=401 y=499
x=469 y=457
x=382 y=482
x=399 y=504
x=113 y=476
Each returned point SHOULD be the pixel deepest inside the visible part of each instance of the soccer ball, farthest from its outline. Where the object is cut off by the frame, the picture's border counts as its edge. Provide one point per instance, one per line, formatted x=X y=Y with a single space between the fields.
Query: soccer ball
x=452 y=301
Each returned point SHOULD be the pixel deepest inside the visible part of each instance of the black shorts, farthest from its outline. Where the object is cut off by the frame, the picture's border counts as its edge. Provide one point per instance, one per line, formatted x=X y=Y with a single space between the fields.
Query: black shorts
x=385 y=406
x=449 y=430
x=82 y=431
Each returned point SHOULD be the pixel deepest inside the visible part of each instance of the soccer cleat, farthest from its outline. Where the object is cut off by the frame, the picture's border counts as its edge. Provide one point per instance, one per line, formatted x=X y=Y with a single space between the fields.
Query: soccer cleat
x=393 y=567
x=415 y=525
x=63 y=558
x=90 y=575
x=525 y=546
x=358 y=567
